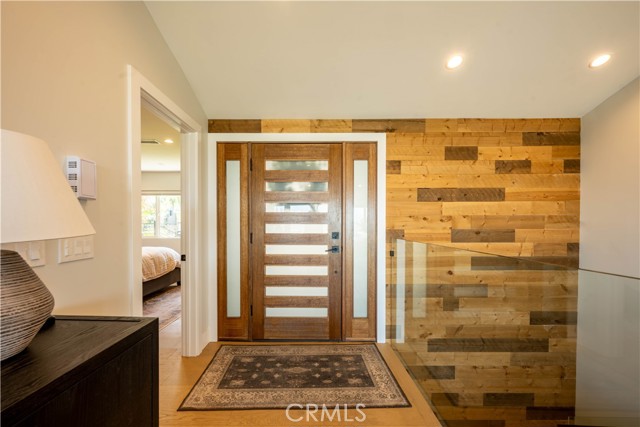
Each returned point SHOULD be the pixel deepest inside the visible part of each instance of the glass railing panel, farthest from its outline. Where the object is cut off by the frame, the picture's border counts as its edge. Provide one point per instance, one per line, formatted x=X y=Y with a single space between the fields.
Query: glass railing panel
x=493 y=339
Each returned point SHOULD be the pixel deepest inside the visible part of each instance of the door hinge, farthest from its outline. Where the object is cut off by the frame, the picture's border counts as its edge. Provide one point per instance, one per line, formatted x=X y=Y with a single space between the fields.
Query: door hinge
x=250 y=164
x=392 y=253
x=183 y=257
x=250 y=238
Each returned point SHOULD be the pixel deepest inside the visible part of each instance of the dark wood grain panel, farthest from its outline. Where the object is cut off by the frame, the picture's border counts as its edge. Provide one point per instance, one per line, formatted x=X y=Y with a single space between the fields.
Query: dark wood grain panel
x=513 y=166
x=450 y=304
x=482 y=235
x=296 y=328
x=295 y=259
x=393 y=167
x=445 y=399
x=273 y=301
x=508 y=399
x=508 y=221
x=460 y=194
x=550 y=138
x=321 y=281
x=295 y=239
x=461 y=153
x=234 y=126
x=571 y=165
x=293 y=175
x=512 y=345
x=573 y=249
x=298 y=196
x=553 y=318
x=389 y=126
x=295 y=218
x=426 y=372
x=550 y=413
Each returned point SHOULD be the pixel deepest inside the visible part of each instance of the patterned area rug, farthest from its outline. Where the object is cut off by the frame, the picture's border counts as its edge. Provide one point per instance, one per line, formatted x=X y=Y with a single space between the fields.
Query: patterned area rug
x=275 y=376
x=165 y=305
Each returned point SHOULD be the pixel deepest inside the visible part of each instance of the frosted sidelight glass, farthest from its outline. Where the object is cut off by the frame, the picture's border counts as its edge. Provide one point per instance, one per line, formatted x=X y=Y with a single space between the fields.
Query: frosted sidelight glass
x=296 y=249
x=360 y=237
x=296 y=186
x=303 y=207
x=296 y=228
x=233 y=238
x=296 y=291
x=295 y=312
x=299 y=165
x=296 y=270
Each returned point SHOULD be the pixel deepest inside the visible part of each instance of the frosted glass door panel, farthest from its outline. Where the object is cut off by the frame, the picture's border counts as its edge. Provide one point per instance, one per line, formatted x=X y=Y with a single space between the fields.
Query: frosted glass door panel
x=296 y=291
x=233 y=237
x=296 y=270
x=296 y=228
x=300 y=165
x=360 y=237
x=296 y=186
x=295 y=312
x=296 y=249
x=297 y=207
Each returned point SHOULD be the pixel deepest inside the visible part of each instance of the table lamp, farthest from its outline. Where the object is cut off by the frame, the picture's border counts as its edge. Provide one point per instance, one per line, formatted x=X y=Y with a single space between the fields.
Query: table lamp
x=36 y=203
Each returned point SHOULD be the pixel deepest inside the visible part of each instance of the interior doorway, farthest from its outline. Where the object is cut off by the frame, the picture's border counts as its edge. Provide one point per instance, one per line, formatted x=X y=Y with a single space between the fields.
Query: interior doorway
x=161 y=214
x=297 y=241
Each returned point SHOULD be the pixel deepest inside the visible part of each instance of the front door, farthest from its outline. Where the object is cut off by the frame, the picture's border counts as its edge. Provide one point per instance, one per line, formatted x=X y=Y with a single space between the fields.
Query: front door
x=296 y=241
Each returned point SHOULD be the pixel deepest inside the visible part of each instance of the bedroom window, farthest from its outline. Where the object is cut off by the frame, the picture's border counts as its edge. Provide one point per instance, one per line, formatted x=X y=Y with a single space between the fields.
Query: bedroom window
x=161 y=216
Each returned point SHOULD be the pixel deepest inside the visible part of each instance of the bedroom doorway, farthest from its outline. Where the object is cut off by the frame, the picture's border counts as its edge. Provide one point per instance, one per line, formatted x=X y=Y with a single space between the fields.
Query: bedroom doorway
x=161 y=212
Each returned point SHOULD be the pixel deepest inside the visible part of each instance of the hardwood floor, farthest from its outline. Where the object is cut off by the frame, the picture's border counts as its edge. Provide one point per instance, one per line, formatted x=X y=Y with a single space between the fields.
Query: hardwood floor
x=178 y=374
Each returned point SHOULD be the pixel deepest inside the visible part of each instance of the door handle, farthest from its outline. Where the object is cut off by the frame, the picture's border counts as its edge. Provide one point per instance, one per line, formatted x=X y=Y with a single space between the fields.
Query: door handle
x=334 y=250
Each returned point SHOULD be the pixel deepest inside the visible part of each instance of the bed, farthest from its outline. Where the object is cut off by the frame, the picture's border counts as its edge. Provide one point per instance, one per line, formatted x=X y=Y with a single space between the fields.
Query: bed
x=160 y=268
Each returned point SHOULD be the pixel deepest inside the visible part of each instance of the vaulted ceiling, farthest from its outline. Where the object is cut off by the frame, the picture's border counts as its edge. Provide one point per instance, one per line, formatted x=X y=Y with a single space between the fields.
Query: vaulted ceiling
x=386 y=59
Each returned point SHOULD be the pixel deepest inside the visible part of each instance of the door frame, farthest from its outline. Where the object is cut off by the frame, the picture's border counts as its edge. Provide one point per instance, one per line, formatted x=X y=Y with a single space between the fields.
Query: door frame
x=139 y=89
x=211 y=216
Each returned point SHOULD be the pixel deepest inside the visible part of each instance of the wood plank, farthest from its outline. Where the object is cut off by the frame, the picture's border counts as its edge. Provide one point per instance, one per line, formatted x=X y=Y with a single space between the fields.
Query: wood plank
x=331 y=126
x=286 y=125
x=234 y=126
x=508 y=399
x=319 y=281
x=488 y=345
x=571 y=165
x=508 y=221
x=295 y=218
x=388 y=126
x=554 y=318
x=393 y=167
x=296 y=175
x=449 y=167
x=565 y=152
x=461 y=153
x=296 y=328
x=297 y=301
x=460 y=194
x=293 y=239
x=483 y=235
x=515 y=153
x=302 y=260
x=545 y=194
x=550 y=138
x=513 y=166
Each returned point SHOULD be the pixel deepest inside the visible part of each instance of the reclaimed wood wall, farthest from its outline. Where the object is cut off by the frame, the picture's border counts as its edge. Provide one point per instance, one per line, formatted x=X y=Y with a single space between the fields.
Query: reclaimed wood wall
x=492 y=340
x=503 y=186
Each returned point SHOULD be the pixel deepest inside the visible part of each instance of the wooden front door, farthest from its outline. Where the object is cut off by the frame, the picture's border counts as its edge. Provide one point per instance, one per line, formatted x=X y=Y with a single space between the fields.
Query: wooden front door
x=296 y=241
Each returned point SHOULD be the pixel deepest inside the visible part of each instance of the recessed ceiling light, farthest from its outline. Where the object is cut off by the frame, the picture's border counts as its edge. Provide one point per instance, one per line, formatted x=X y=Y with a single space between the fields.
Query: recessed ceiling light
x=600 y=61
x=454 y=62
x=168 y=141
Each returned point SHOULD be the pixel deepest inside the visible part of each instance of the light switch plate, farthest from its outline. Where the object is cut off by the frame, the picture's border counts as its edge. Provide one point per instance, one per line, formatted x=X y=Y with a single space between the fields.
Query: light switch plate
x=32 y=252
x=75 y=248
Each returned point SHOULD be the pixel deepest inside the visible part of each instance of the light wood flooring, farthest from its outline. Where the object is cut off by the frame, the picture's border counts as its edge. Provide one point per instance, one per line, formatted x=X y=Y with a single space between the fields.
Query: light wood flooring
x=178 y=374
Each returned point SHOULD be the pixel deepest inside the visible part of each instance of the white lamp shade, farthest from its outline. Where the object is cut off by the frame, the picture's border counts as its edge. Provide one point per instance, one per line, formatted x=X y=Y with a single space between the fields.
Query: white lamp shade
x=37 y=201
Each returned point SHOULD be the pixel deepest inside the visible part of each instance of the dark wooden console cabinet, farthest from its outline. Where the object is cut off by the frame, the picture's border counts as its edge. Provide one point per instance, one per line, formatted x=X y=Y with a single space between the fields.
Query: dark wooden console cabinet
x=85 y=371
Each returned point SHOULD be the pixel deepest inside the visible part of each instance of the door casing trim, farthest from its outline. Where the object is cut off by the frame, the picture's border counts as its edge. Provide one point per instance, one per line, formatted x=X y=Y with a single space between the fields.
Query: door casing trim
x=211 y=216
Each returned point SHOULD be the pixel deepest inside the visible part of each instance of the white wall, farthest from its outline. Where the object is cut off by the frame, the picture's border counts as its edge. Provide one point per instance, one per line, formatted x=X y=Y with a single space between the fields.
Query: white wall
x=608 y=343
x=64 y=79
x=610 y=185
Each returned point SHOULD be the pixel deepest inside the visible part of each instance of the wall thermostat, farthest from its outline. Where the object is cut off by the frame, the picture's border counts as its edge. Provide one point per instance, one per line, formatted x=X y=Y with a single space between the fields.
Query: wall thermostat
x=81 y=174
